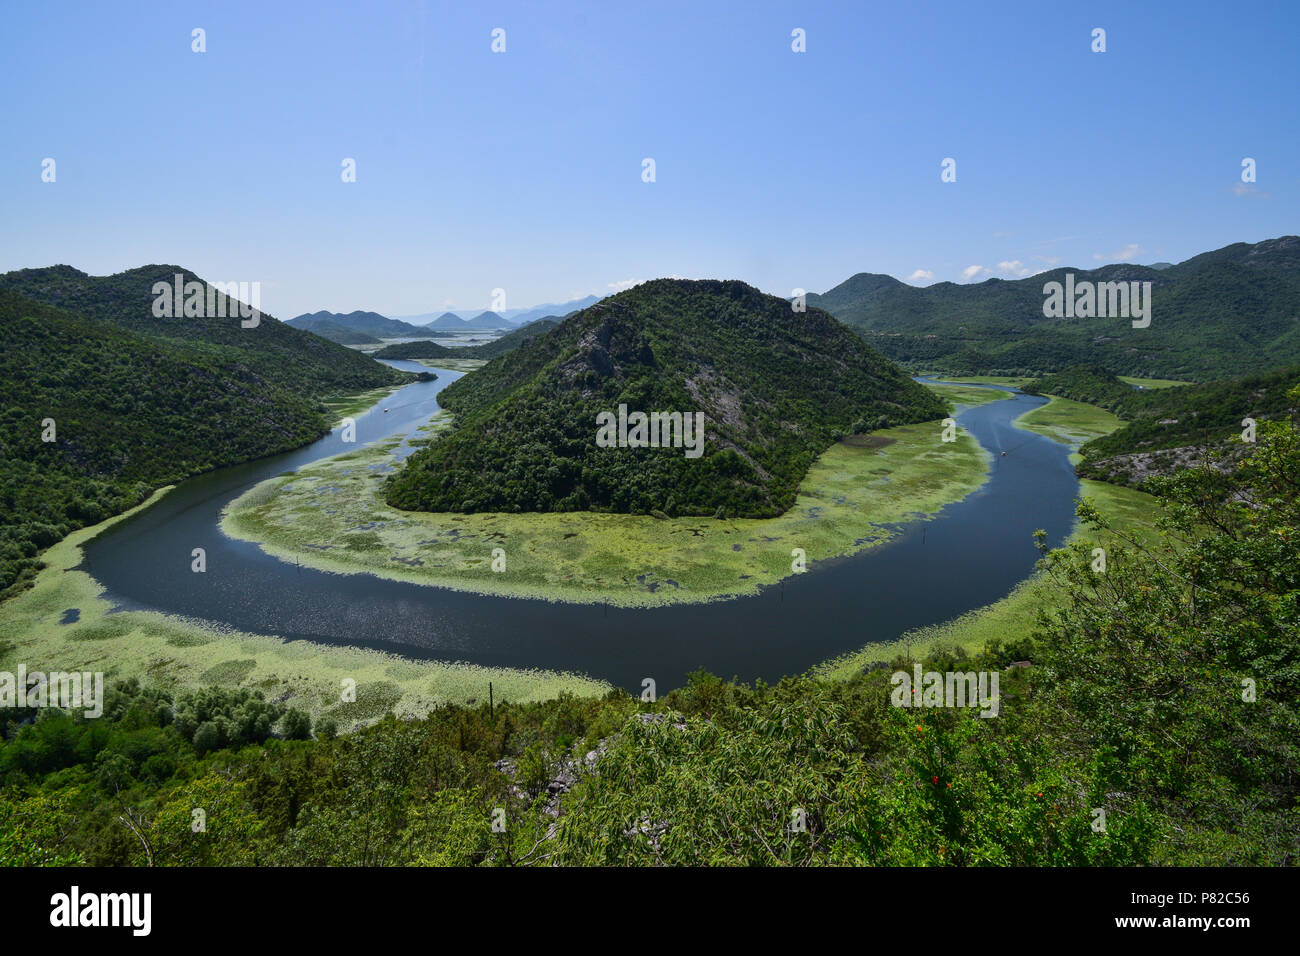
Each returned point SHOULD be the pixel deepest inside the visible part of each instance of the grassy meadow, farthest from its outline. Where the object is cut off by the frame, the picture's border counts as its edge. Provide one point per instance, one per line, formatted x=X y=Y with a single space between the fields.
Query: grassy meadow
x=964 y=395
x=1014 y=381
x=1069 y=422
x=1151 y=382
x=331 y=515
x=346 y=406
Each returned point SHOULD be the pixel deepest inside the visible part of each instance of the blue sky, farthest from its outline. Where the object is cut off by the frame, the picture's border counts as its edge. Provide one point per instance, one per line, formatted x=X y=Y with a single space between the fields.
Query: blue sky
x=522 y=170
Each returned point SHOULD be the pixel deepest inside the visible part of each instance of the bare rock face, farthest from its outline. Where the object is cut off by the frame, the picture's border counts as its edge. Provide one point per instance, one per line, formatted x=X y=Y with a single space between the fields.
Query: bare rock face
x=613 y=348
x=1135 y=468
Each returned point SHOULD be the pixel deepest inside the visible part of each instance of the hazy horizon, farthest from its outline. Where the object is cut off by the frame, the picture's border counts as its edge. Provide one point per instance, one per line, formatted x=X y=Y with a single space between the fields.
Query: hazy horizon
x=523 y=170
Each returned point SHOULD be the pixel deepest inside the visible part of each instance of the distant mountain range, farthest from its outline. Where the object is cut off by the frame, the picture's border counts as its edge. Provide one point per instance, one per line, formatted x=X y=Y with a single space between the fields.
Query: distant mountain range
x=514 y=317
x=522 y=316
x=450 y=322
x=428 y=349
x=1219 y=314
x=369 y=328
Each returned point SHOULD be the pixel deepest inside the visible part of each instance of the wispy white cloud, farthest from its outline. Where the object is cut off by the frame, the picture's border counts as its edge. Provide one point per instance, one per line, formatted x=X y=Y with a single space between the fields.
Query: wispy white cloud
x=624 y=284
x=1123 y=255
x=1013 y=267
x=920 y=275
x=1249 y=190
x=970 y=272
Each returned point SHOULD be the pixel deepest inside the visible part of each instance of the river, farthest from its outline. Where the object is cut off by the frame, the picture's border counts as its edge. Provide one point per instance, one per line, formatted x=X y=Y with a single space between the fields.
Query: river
x=971 y=554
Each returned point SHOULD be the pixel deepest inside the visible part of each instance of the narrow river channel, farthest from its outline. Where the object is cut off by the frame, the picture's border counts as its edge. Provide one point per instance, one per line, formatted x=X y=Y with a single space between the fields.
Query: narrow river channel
x=971 y=554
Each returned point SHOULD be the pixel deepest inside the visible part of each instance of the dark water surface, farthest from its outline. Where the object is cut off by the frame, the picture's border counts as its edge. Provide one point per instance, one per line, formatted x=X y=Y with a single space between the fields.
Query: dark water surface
x=971 y=554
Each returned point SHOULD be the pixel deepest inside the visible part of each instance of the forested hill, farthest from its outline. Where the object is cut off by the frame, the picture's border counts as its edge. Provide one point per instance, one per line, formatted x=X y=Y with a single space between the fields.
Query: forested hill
x=371 y=325
x=1214 y=316
x=776 y=388
x=303 y=364
x=341 y=334
x=1169 y=429
x=132 y=410
x=482 y=322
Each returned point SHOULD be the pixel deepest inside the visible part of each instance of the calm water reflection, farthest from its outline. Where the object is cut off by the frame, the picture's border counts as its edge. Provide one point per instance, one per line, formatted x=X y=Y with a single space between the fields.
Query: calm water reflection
x=970 y=555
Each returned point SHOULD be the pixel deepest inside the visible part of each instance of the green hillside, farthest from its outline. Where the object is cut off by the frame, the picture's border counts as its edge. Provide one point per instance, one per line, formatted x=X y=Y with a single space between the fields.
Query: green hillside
x=371 y=325
x=273 y=352
x=776 y=389
x=133 y=408
x=1169 y=428
x=484 y=321
x=1213 y=316
x=340 y=334
x=417 y=349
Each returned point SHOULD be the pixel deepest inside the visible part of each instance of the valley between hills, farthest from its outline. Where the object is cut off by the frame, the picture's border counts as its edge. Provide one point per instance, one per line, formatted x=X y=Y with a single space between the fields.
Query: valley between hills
x=854 y=491
x=332 y=515
x=577 y=435
x=472 y=558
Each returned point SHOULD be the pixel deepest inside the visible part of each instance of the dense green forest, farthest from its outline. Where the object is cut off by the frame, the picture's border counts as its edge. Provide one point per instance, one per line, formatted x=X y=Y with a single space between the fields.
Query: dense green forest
x=1162 y=692
x=133 y=410
x=274 y=353
x=426 y=349
x=1213 y=317
x=418 y=349
x=776 y=387
x=1165 y=428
